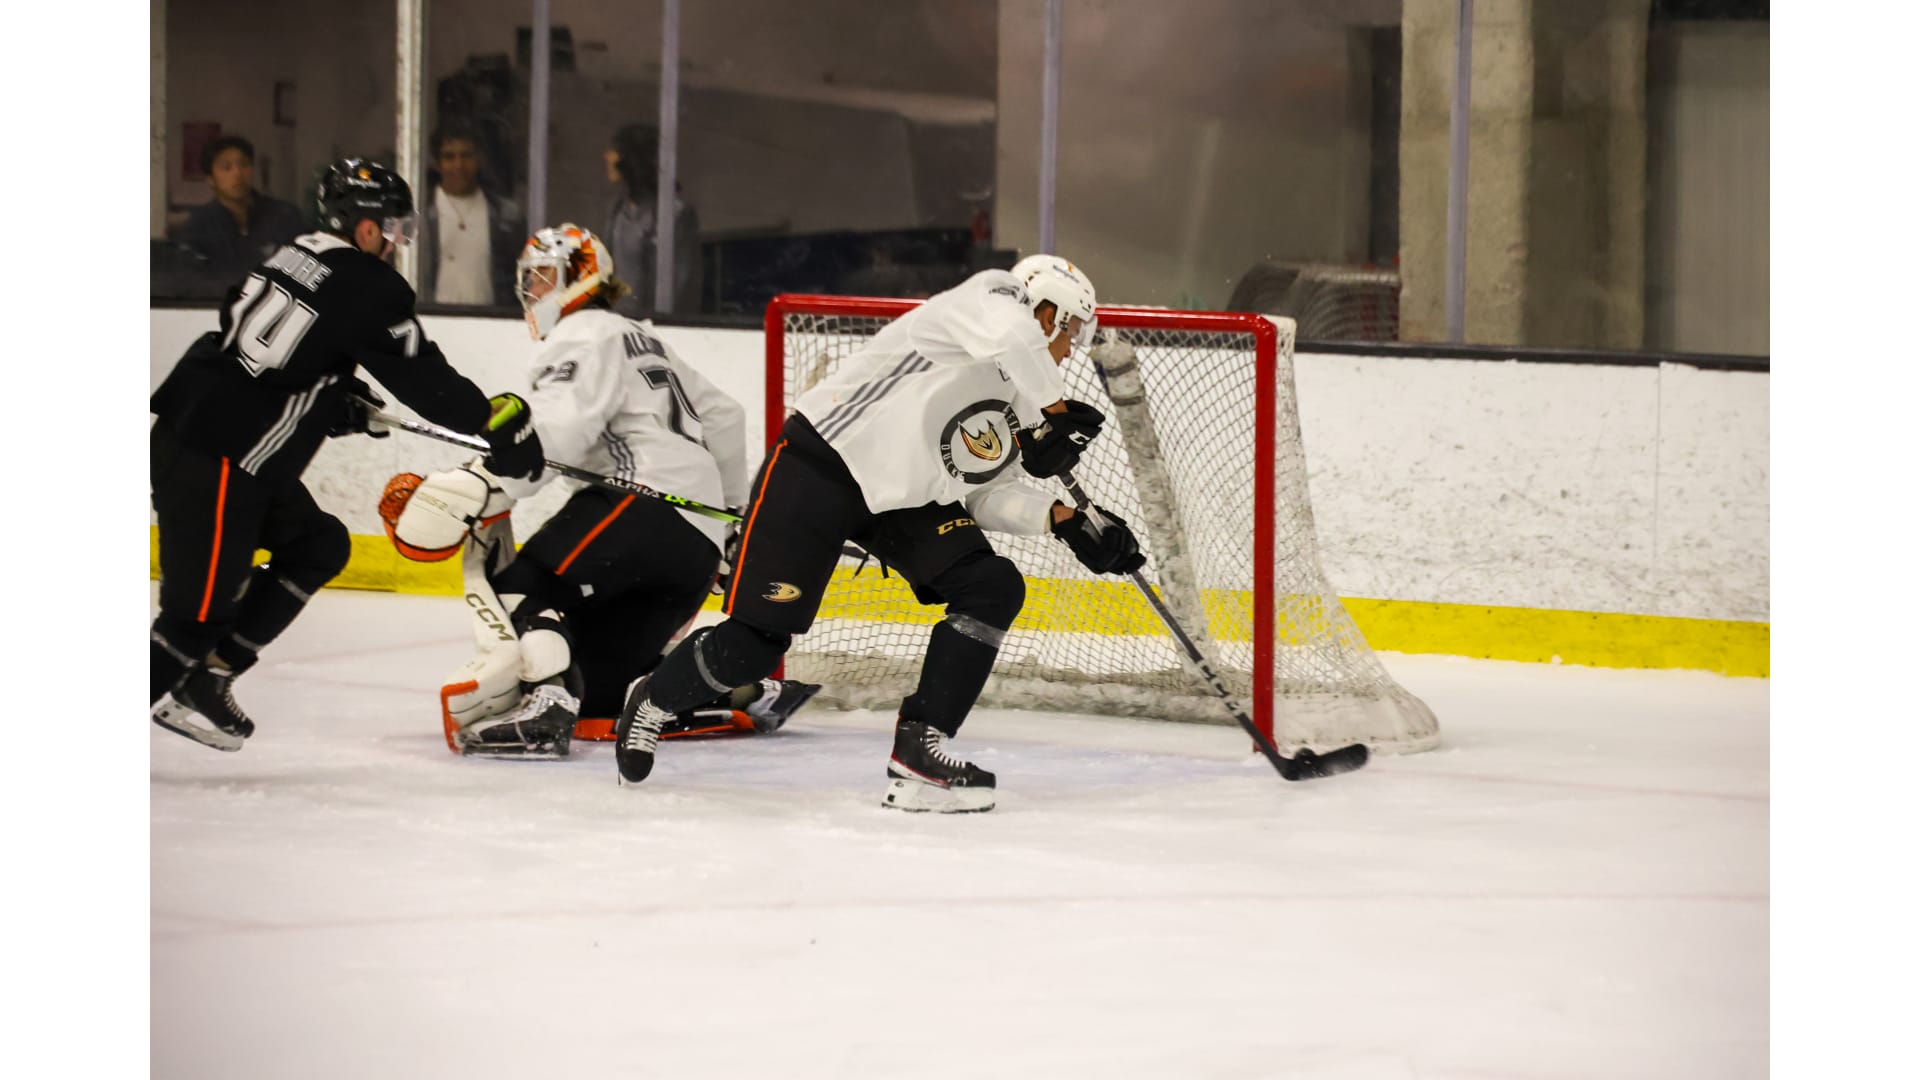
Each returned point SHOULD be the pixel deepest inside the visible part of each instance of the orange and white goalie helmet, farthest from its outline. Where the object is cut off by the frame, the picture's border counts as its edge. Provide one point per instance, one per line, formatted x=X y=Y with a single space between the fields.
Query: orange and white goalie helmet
x=558 y=272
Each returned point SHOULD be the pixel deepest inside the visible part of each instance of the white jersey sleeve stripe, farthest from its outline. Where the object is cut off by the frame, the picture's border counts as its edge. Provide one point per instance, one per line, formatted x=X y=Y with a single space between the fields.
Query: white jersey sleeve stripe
x=621 y=453
x=283 y=429
x=840 y=415
x=914 y=364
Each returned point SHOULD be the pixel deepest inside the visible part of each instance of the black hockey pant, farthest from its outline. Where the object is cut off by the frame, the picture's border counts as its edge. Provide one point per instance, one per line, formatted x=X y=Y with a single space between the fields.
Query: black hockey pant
x=213 y=600
x=627 y=572
x=805 y=505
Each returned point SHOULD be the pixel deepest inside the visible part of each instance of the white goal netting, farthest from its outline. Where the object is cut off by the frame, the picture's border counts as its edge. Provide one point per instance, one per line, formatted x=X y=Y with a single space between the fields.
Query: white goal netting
x=1202 y=456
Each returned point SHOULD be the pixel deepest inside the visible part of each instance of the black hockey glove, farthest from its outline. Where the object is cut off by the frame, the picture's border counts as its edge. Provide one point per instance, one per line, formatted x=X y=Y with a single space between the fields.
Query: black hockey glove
x=514 y=447
x=356 y=409
x=1055 y=446
x=1110 y=549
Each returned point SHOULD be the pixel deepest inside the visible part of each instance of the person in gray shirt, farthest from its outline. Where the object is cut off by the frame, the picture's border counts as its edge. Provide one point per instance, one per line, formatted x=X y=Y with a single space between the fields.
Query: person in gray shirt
x=633 y=166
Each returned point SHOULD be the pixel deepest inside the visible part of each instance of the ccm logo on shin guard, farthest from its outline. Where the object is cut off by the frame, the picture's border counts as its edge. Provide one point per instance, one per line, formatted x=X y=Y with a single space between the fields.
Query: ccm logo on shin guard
x=487 y=616
x=782 y=592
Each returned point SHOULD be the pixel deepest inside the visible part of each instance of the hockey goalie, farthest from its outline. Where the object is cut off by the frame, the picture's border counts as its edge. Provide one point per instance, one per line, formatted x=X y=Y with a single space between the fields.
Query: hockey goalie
x=604 y=586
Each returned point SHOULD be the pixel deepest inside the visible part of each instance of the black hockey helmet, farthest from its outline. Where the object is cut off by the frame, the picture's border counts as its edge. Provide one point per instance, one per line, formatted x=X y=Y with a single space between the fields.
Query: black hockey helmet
x=355 y=188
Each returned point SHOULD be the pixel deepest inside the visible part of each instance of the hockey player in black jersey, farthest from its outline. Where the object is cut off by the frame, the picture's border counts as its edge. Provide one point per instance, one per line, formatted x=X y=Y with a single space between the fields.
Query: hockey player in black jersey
x=244 y=411
x=908 y=448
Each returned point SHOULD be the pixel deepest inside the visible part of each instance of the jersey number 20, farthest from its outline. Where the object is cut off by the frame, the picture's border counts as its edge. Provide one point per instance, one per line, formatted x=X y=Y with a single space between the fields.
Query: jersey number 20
x=267 y=324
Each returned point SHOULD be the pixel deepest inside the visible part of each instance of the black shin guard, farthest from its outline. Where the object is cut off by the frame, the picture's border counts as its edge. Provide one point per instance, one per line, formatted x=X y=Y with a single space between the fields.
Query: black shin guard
x=175 y=648
x=712 y=661
x=959 y=658
x=268 y=606
x=984 y=592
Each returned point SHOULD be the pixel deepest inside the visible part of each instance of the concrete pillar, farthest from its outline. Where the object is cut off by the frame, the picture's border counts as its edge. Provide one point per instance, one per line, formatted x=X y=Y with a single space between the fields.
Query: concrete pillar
x=1556 y=200
x=1501 y=140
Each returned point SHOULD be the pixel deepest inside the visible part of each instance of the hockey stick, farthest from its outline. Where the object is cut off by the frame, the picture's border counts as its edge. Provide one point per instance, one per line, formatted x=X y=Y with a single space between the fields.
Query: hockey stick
x=611 y=483
x=1306 y=765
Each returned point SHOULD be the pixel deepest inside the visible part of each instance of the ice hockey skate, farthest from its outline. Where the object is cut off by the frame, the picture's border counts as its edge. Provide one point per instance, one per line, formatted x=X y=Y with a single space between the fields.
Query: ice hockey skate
x=202 y=708
x=923 y=777
x=779 y=699
x=637 y=735
x=540 y=727
x=775 y=703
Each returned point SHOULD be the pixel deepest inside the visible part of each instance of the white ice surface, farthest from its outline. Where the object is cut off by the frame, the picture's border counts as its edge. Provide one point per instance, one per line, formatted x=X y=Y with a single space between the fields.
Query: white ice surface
x=1575 y=885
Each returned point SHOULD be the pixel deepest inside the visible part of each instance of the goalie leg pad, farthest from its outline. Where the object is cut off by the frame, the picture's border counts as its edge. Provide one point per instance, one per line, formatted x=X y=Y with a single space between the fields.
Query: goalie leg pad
x=541 y=727
x=546 y=649
x=486 y=686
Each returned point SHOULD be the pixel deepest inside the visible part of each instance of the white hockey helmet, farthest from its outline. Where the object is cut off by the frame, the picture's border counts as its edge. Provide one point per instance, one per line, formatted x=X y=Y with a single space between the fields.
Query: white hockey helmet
x=1051 y=279
x=572 y=265
x=1032 y=265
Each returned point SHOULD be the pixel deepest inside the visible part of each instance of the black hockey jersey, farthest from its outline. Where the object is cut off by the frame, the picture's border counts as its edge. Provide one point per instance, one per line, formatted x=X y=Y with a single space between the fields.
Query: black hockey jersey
x=266 y=387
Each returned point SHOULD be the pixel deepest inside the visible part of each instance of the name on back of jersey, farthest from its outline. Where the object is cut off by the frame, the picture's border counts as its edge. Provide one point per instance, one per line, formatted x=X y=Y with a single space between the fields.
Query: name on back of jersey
x=301 y=267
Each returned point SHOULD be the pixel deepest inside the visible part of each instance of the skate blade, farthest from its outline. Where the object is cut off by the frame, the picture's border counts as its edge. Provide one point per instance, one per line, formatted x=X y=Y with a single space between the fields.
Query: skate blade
x=919 y=797
x=179 y=719
x=513 y=752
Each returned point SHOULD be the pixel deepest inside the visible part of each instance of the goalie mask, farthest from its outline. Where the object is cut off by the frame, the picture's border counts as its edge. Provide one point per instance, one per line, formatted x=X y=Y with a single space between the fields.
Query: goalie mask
x=1051 y=279
x=560 y=270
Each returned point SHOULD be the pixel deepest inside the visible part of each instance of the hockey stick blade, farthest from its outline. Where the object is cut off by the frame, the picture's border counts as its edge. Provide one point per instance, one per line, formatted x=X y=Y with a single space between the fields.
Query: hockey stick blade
x=611 y=483
x=1306 y=765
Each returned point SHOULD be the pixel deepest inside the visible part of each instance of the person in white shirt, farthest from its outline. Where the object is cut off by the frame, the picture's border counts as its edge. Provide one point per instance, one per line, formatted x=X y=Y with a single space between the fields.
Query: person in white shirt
x=908 y=449
x=470 y=235
x=599 y=590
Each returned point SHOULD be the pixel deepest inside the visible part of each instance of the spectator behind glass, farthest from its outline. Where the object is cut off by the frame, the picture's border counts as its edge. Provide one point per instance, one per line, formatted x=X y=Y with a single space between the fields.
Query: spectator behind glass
x=633 y=166
x=471 y=235
x=241 y=226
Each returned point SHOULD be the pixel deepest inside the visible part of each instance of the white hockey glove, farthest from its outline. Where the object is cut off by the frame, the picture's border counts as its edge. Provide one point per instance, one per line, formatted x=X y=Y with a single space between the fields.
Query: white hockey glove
x=428 y=518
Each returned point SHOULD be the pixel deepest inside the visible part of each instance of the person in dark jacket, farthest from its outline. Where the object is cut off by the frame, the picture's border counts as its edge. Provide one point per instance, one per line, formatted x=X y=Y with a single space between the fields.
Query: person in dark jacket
x=633 y=167
x=240 y=226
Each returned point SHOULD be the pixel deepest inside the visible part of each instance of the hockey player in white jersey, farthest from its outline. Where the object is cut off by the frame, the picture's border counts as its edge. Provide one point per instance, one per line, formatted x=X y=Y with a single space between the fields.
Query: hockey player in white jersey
x=597 y=591
x=908 y=449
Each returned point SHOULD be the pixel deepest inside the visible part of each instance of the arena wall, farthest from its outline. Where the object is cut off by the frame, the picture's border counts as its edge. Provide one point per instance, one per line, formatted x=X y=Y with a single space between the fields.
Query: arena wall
x=1566 y=513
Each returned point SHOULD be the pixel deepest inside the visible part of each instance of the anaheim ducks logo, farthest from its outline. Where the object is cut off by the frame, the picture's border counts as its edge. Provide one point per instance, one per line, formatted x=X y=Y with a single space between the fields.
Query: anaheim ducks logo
x=986 y=445
x=782 y=592
x=985 y=432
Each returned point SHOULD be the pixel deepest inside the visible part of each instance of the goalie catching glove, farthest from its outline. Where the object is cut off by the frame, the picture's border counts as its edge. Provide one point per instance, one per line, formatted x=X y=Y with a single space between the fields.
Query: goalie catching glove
x=1105 y=546
x=1055 y=446
x=428 y=517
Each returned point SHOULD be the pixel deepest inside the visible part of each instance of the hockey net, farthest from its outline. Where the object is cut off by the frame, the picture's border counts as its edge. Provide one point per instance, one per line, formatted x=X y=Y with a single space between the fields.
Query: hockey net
x=1202 y=456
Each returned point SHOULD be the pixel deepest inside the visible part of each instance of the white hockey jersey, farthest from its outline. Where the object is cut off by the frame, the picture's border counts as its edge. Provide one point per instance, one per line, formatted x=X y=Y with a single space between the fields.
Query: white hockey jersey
x=610 y=396
x=924 y=412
